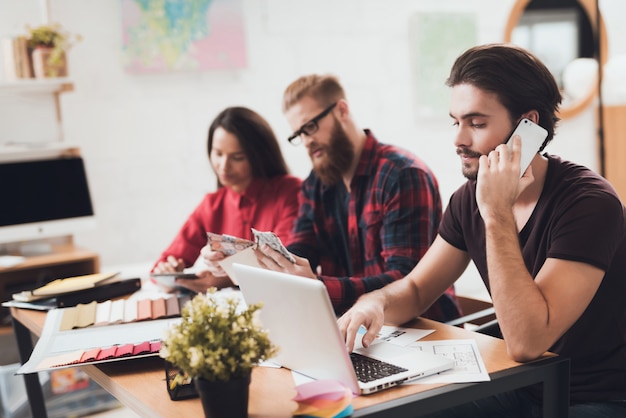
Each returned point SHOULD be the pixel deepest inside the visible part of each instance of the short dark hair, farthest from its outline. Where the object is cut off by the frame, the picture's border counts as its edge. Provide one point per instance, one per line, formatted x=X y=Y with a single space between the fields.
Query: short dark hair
x=518 y=78
x=255 y=136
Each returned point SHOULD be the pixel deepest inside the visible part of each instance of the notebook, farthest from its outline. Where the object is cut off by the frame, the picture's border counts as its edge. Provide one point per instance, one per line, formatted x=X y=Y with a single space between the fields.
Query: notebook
x=299 y=317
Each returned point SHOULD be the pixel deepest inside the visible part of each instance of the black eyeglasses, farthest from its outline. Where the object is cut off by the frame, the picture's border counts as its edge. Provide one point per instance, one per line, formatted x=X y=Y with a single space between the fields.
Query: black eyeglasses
x=311 y=126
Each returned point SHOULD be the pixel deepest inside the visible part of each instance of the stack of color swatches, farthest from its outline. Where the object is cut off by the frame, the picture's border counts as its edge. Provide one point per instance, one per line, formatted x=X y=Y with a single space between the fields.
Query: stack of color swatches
x=121 y=311
x=323 y=399
x=115 y=352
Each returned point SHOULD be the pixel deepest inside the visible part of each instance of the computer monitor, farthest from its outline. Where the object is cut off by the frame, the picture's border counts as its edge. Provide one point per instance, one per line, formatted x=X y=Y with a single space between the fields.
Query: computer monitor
x=44 y=198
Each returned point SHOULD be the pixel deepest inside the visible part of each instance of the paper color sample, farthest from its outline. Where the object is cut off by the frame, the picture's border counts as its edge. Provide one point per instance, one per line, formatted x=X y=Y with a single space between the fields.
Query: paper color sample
x=103 y=313
x=130 y=311
x=323 y=398
x=120 y=311
x=68 y=319
x=89 y=355
x=117 y=311
x=72 y=284
x=327 y=389
x=144 y=309
x=85 y=314
x=171 y=307
x=246 y=257
x=141 y=348
x=124 y=350
x=106 y=353
x=158 y=308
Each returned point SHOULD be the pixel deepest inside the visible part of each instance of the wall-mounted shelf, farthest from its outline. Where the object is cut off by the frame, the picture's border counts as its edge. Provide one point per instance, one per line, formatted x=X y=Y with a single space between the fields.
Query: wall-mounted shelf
x=31 y=110
x=18 y=152
x=47 y=86
x=42 y=86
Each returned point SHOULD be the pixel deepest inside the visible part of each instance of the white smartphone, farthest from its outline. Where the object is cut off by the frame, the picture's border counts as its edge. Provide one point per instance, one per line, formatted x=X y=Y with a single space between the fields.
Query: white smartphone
x=532 y=136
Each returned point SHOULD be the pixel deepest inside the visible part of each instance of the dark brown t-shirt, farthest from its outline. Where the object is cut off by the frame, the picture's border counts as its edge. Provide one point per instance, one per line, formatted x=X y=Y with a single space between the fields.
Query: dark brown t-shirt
x=578 y=217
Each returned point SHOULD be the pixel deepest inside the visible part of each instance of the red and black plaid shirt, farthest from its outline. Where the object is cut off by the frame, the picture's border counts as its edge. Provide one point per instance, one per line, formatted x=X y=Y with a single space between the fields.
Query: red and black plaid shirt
x=375 y=233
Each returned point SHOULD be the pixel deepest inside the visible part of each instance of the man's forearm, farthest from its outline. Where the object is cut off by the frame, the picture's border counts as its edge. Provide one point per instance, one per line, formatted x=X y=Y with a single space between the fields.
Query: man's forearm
x=519 y=304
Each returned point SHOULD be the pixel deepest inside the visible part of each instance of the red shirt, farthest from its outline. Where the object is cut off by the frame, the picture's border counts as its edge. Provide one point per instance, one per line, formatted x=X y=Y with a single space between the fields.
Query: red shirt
x=266 y=205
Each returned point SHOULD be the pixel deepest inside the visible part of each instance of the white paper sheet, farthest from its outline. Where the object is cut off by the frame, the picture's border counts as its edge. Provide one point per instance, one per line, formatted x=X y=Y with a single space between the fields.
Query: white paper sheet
x=468 y=366
x=246 y=257
x=395 y=335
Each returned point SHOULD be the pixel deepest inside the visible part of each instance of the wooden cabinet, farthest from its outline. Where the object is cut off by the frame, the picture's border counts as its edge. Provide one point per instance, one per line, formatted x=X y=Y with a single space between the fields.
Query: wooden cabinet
x=65 y=260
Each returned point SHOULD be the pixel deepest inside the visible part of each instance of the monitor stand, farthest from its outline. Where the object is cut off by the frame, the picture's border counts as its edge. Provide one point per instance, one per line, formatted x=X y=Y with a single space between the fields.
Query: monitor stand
x=29 y=249
x=35 y=247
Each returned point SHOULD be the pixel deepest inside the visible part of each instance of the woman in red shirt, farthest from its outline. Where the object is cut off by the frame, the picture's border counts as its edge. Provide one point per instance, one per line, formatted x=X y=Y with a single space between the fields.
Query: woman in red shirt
x=254 y=191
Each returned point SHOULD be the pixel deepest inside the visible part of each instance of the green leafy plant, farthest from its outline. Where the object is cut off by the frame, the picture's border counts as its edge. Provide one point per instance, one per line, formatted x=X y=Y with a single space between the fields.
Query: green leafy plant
x=52 y=36
x=216 y=339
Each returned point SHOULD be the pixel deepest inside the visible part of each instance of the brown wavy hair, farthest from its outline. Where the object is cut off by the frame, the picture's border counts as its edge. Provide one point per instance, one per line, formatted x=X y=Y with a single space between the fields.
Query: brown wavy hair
x=518 y=78
x=255 y=136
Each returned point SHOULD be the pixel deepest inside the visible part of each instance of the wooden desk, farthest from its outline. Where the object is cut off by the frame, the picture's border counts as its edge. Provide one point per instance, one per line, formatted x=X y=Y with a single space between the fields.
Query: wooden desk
x=140 y=383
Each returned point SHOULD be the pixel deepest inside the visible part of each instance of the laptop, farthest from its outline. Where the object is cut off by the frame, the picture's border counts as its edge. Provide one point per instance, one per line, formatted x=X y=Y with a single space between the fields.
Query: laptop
x=300 y=320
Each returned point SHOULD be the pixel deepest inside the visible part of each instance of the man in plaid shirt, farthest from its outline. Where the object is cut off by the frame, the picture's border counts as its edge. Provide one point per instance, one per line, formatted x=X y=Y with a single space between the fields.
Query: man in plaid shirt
x=368 y=210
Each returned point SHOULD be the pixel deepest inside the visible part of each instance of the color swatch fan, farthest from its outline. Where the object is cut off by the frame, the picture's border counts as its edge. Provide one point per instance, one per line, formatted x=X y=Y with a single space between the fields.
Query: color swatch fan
x=323 y=399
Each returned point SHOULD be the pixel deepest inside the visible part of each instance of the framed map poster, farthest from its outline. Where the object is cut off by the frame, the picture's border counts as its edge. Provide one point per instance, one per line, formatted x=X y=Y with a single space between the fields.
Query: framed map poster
x=175 y=35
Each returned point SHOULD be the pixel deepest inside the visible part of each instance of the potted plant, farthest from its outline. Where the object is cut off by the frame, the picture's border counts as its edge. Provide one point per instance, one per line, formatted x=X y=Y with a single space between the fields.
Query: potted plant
x=217 y=343
x=49 y=44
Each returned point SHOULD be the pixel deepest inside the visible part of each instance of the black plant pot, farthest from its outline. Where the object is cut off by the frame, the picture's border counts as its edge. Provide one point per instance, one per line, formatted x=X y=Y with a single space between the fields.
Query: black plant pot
x=221 y=399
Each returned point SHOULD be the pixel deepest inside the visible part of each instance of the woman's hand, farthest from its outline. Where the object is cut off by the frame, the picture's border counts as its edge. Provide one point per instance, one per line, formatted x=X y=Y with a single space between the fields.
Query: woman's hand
x=170 y=265
x=211 y=259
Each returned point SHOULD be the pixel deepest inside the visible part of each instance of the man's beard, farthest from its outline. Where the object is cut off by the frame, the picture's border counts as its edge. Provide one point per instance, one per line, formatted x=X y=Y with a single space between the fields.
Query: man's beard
x=338 y=158
x=468 y=171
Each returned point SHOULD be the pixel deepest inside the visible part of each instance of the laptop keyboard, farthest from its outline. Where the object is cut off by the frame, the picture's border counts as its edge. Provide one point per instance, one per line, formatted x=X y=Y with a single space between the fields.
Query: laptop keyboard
x=368 y=369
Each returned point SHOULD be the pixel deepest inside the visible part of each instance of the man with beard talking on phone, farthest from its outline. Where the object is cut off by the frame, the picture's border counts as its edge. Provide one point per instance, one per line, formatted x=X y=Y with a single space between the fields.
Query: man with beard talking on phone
x=550 y=246
x=368 y=210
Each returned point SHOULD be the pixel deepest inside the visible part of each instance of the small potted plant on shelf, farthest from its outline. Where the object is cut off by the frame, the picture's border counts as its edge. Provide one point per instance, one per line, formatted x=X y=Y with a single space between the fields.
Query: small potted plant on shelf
x=49 y=45
x=217 y=343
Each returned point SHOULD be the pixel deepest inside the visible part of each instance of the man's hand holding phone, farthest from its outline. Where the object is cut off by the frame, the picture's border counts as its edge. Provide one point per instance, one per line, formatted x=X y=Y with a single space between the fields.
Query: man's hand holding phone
x=532 y=137
x=497 y=186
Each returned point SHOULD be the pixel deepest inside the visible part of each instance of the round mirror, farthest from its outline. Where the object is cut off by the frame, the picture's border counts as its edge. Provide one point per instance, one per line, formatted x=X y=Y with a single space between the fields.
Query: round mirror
x=561 y=34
